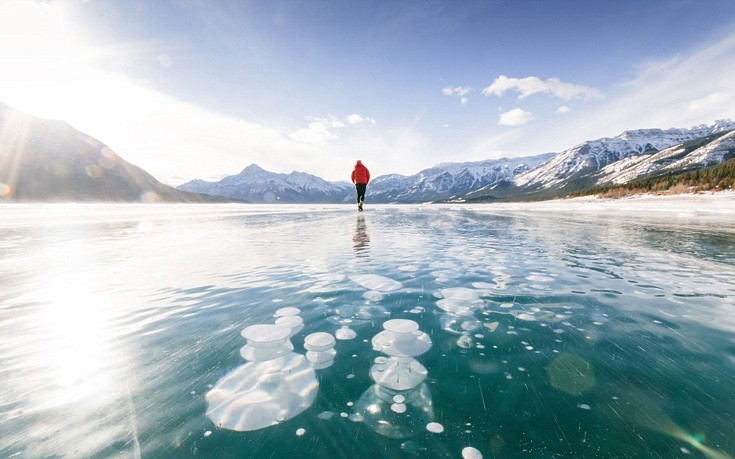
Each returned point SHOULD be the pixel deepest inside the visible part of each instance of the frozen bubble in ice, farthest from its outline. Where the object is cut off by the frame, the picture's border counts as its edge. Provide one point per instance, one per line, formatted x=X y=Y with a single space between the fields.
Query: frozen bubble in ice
x=262 y=354
x=401 y=326
x=321 y=356
x=343 y=414
x=398 y=407
x=372 y=295
x=261 y=394
x=464 y=342
x=401 y=345
x=381 y=360
x=295 y=323
x=207 y=433
x=409 y=268
x=471 y=453
x=290 y=321
x=483 y=285
x=356 y=417
x=376 y=282
x=434 y=427
x=325 y=415
x=399 y=398
x=264 y=335
x=460 y=293
x=506 y=305
x=584 y=406
x=461 y=308
x=289 y=311
x=492 y=326
x=319 y=341
x=300 y=432
x=350 y=403
x=350 y=376
x=345 y=333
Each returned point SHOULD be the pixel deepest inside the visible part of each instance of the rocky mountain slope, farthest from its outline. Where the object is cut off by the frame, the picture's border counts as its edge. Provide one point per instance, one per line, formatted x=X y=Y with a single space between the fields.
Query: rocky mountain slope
x=44 y=160
x=577 y=166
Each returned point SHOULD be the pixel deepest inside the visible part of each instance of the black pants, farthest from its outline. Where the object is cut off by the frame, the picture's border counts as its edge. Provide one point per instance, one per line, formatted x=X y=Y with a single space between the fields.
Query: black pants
x=360 y=187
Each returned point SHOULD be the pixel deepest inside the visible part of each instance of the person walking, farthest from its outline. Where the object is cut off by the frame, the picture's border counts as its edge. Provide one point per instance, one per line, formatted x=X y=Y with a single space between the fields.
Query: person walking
x=360 y=177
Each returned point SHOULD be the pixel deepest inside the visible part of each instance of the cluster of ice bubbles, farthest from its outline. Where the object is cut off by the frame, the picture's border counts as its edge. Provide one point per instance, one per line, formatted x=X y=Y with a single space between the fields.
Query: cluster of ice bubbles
x=399 y=404
x=276 y=383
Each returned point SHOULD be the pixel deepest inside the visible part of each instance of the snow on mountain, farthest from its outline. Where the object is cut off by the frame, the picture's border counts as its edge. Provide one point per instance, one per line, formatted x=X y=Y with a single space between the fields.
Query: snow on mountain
x=619 y=159
x=681 y=156
x=450 y=180
x=258 y=185
x=594 y=155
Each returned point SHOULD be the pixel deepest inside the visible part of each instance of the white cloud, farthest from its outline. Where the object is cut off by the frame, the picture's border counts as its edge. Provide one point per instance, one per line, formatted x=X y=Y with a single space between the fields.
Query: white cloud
x=529 y=86
x=688 y=89
x=319 y=130
x=459 y=91
x=357 y=119
x=515 y=117
x=563 y=110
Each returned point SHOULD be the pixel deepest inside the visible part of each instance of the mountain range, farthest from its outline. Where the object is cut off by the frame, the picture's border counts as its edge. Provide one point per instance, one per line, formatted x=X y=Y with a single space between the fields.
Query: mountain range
x=611 y=160
x=47 y=160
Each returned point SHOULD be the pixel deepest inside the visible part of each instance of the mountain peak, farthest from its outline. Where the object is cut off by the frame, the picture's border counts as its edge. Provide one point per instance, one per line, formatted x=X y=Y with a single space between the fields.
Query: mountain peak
x=252 y=168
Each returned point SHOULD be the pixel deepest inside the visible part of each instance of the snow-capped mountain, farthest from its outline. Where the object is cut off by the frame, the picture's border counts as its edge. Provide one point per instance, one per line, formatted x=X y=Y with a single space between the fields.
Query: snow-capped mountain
x=444 y=181
x=630 y=155
x=698 y=153
x=258 y=185
x=450 y=180
x=577 y=166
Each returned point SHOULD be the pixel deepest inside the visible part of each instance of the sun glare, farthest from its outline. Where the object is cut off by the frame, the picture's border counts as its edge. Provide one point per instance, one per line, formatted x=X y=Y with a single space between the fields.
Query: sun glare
x=43 y=55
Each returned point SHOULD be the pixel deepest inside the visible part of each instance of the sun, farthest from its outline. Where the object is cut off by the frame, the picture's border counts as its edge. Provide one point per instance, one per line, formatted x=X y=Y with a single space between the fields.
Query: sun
x=43 y=55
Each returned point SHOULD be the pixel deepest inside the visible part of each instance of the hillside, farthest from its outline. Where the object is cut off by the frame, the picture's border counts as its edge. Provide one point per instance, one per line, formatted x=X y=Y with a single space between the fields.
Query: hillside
x=45 y=160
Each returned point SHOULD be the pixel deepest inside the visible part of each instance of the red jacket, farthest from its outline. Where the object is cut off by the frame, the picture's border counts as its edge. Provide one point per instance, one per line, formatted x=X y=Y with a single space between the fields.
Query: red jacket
x=360 y=174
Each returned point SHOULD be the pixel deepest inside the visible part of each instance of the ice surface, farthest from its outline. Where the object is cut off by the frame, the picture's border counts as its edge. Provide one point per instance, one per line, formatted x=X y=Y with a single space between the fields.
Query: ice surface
x=119 y=319
x=376 y=282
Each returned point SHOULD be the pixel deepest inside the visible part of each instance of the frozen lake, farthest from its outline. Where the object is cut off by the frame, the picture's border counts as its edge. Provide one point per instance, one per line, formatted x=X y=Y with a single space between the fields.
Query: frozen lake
x=519 y=335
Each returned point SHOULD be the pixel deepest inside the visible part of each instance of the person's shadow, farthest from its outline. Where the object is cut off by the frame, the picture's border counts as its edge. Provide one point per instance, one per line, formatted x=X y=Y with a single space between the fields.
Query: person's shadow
x=361 y=238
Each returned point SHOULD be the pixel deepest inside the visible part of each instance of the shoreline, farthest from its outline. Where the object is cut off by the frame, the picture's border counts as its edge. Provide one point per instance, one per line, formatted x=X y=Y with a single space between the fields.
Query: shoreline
x=719 y=204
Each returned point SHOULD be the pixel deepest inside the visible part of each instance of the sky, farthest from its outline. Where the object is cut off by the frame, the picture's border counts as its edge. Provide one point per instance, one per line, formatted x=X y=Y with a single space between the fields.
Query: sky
x=200 y=89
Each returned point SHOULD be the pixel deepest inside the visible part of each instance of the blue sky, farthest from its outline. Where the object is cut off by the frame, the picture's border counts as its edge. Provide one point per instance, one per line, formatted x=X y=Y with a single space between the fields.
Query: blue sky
x=200 y=89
